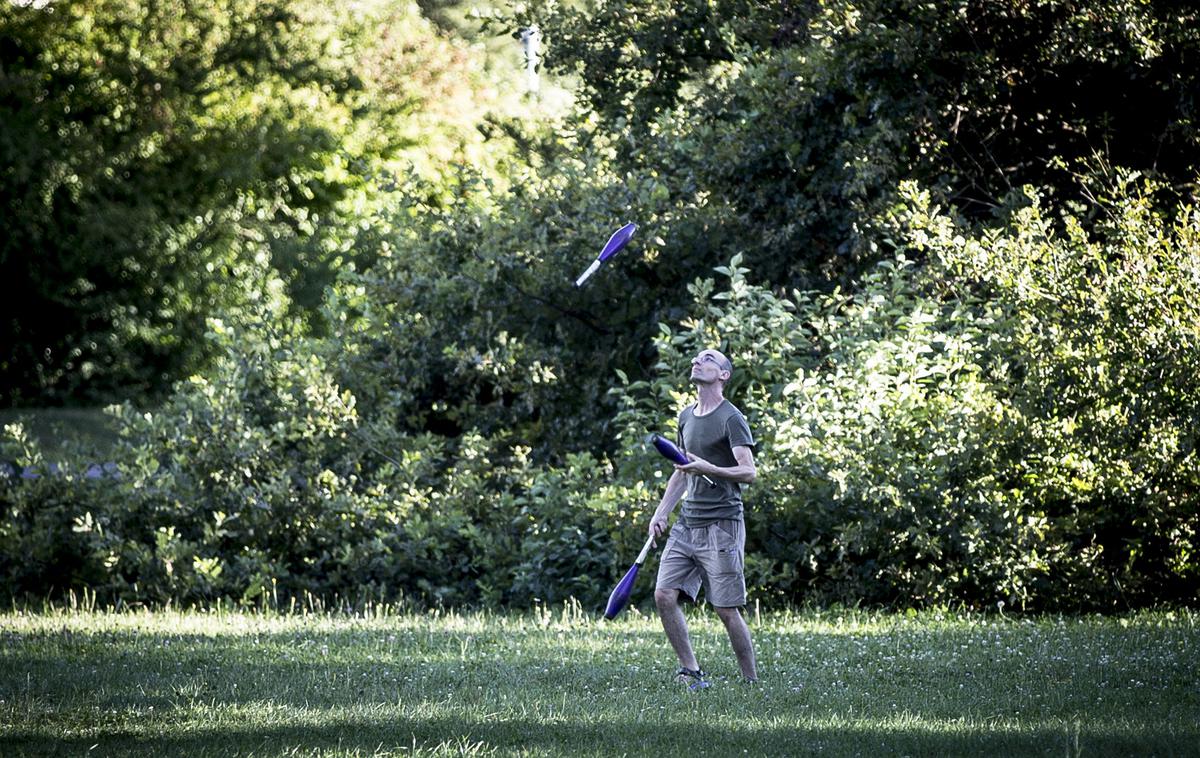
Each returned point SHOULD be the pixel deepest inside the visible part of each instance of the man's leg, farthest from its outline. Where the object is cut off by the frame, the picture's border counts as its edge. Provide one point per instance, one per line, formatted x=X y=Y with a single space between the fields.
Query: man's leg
x=739 y=638
x=675 y=625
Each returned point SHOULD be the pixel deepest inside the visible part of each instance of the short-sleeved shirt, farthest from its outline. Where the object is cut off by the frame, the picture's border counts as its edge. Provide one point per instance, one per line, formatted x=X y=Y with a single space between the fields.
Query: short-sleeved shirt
x=713 y=437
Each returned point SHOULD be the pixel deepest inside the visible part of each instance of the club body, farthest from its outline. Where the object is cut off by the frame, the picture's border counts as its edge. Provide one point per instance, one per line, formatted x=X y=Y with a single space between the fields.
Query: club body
x=619 y=239
x=621 y=593
x=671 y=451
x=619 y=598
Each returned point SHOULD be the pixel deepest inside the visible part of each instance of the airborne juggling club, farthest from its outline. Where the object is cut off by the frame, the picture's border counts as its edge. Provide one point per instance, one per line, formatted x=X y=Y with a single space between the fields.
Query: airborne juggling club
x=671 y=452
x=620 y=594
x=616 y=242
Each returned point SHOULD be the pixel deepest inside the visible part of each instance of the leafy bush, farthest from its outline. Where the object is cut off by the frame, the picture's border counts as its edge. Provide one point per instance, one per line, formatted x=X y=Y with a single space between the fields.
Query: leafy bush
x=1012 y=421
x=873 y=417
x=262 y=483
x=1097 y=365
x=48 y=533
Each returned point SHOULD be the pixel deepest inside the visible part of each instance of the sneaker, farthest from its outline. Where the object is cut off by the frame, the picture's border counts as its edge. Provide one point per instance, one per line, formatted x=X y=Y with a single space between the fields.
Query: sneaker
x=694 y=679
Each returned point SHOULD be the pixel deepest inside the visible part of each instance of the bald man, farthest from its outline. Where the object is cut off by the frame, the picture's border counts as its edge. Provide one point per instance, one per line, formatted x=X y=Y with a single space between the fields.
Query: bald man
x=707 y=545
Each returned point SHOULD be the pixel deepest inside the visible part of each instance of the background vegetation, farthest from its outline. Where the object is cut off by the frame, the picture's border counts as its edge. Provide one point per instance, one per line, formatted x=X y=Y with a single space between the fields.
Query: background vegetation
x=324 y=259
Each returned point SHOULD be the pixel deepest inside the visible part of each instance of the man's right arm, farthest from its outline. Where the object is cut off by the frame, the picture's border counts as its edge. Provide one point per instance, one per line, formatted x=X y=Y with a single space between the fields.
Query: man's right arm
x=676 y=486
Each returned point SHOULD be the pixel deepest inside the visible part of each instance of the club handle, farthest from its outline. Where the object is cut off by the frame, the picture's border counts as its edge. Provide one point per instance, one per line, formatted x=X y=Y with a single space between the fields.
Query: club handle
x=590 y=270
x=645 y=551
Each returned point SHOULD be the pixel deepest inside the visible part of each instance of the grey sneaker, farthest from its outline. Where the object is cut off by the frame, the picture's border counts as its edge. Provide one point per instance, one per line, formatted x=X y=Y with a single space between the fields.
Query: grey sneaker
x=694 y=679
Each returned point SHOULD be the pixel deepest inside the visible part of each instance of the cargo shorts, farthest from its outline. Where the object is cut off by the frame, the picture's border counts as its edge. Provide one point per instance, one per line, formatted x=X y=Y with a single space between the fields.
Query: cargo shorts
x=712 y=556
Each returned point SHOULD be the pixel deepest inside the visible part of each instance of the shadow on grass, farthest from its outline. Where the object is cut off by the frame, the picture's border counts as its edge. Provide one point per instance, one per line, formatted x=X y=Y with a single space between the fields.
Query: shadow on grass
x=591 y=738
x=72 y=677
x=126 y=668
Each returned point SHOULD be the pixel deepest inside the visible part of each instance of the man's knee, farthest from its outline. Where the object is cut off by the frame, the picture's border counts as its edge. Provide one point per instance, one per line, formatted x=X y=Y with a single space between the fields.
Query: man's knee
x=728 y=615
x=666 y=597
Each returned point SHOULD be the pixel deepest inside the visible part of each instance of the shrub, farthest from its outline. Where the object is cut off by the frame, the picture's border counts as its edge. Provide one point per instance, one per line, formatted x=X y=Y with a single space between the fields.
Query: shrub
x=1011 y=419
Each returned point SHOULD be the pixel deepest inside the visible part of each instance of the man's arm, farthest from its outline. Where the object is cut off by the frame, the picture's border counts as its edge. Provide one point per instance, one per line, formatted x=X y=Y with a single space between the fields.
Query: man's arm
x=744 y=471
x=676 y=486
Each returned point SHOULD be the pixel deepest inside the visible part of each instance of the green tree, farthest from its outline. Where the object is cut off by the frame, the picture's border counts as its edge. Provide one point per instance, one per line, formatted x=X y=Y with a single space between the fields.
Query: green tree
x=163 y=161
x=802 y=117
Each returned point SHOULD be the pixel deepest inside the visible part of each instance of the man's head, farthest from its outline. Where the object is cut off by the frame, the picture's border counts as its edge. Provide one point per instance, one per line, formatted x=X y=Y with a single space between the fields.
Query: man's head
x=711 y=367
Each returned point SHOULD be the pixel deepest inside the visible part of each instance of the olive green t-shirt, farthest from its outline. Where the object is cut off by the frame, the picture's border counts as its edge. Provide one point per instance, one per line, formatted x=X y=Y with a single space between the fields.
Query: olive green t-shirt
x=713 y=437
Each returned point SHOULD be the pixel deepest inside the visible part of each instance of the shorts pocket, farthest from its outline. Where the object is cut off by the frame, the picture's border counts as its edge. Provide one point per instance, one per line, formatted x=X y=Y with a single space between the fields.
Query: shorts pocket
x=727 y=534
x=729 y=562
x=728 y=548
x=726 y=591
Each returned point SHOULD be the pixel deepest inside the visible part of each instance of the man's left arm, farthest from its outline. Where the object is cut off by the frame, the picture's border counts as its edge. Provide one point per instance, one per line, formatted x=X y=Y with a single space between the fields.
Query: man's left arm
x=744 y=471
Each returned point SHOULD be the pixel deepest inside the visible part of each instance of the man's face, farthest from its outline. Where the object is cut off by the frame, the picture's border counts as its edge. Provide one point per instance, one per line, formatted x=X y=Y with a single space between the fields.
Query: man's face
x=710 y=366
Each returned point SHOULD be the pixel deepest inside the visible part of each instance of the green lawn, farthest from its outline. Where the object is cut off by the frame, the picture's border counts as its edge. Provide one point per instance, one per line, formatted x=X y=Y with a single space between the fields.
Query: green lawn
x=563 y=683
x=54 y=428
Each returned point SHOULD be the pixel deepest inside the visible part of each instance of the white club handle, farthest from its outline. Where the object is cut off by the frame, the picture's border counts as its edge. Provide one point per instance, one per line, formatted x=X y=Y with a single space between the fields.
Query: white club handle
x=590 y=270
x=645 y=551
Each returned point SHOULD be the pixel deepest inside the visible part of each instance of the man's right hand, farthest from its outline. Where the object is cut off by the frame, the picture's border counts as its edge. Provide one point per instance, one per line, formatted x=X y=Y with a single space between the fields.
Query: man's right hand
x=658 y=527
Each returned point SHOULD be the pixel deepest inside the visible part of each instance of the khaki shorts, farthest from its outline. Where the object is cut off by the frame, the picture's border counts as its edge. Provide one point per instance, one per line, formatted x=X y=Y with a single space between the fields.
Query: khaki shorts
x=712 y=556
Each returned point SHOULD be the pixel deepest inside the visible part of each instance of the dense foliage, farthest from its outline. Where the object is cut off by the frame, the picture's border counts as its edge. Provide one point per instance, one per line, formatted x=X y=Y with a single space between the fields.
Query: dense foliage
x=163 y=162
x=962 y=299
x=800 y=118
x=1011 y=421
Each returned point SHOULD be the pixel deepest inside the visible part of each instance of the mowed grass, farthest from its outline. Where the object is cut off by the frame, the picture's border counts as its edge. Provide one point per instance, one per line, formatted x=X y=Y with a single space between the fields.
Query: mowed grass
x=562 y=682
x=56 y=428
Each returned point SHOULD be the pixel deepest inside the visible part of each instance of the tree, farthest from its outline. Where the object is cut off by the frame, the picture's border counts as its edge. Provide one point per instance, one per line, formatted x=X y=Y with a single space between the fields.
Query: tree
x=164 y=161
x=803 y=117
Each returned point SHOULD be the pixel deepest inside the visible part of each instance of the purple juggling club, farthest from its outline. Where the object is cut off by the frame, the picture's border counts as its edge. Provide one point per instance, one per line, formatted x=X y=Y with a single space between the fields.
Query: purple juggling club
x=618 y=240
x=620 y=594
x=671 y=451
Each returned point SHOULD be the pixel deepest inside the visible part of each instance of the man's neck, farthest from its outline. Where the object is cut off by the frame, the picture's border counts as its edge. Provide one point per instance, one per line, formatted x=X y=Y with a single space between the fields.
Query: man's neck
x=708 y=397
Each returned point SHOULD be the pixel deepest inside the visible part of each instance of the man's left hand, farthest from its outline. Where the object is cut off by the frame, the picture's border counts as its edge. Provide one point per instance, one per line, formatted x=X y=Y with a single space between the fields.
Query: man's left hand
x=697 y=466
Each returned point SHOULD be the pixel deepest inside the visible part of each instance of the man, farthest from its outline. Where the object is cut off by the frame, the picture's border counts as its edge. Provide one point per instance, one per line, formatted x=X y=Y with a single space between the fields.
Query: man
x=706 y=547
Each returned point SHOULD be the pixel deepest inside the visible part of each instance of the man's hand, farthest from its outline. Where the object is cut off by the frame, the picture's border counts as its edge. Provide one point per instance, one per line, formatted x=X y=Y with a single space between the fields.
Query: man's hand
x=744 y=471
x=697 y=466
x=658 y=527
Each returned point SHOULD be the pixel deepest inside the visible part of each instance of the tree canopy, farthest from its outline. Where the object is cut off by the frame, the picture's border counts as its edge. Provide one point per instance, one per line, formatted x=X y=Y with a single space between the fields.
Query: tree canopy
x=164 y=163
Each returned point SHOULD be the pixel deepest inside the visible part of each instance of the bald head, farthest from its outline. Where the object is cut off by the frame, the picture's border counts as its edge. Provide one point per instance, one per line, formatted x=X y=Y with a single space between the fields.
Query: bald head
x=710 y=366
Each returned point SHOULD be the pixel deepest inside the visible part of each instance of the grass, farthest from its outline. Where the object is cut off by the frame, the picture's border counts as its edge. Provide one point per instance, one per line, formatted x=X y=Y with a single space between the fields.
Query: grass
x=563 y=683
x=55 y=428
